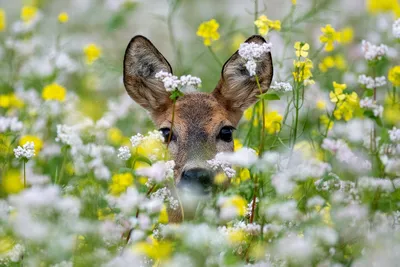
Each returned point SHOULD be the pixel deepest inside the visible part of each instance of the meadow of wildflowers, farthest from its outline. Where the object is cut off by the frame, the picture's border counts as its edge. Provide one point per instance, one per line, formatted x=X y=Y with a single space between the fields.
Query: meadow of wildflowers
x=87 y=180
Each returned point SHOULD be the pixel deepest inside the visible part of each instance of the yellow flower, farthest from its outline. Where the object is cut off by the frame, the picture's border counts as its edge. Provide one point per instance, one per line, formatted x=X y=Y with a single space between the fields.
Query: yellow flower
x=273 y=122
x=152 y=148
x=105 y=214
x=346 y=35
x=92 y=53
x=63 y=17
x=328 y=123
x=54 y=91
x=346 y=108
x=329 y=36
x=302 y=71
x=237 y=202
x=294 y=2
x=243 y=175
x=394 y=75
x=120 y=182
x=163 y=215
x=340 y=62
x=220 y=178
x=378 y=6
x=301 y=49
x=237 y=144
x=156 y=250
x=236 y=236
x=115 y=136
x=3 y=20
x=10 y=100
x=209 y=31
x=321 y=104
x=337 y=95
x=6 y=244
x=31 y=138
x=264 y=24
x=28 y=13
x=12 y=182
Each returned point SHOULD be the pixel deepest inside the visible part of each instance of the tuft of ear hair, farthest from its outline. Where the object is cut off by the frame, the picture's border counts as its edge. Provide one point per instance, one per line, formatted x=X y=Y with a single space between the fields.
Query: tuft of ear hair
x=142 y=62
x=236 y=89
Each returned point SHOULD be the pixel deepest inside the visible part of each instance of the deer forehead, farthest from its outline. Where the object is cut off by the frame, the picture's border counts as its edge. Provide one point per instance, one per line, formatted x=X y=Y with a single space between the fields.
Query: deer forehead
x=196 y=111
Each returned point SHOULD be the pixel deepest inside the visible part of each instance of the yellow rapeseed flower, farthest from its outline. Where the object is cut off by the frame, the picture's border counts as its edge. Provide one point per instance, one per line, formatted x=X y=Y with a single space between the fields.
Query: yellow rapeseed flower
x=338 y=94
x=237 y=144
x=321 y=104
x=115 y=136
x=238 y=202
x=32 y=138
x=273 y=122
x=346 y=35
x=394 y=75
x=3 y=20
x=156 y=250
x=329 y=62
x=236 y=236
x=220 y=178
x=92 y=53
x=302 y=71
x=28 y=13
x=382 y=6
x=163 y=218
x=10 y=101
x=120 y=182
x=12 y=182
x=326 y=121
x=54 y=91
x=264 y=25
x=63 y=17
x=329 y=36
x=208 y=30
x=294 y=2
x=301 y=49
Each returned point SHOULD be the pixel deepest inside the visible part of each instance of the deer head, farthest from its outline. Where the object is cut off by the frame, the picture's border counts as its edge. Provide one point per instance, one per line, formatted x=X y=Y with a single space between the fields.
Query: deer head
x=204 y=122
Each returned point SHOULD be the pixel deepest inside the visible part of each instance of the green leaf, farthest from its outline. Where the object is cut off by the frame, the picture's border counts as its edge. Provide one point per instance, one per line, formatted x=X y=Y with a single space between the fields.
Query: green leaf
x=143 y=159
x=270 y=97
x=370 y=114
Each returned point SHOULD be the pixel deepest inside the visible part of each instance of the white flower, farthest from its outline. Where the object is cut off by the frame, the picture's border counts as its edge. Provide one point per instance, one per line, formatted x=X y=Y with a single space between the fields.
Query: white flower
x=396 y=29
x=251 y=52
x=281 y=87
x=27 y=151
x=373 y=52
x=165 y=195
x=370 y=82
x=286 y=211
x=244 y=157
x=159 y=171
x=224 y=166
x=127 y=201
x=136 y=139
x=124 y=153
x=394 y=135
x=68 y=135
x=172 y=82
x=371 y=183
x=10 y=124
x=369 y=104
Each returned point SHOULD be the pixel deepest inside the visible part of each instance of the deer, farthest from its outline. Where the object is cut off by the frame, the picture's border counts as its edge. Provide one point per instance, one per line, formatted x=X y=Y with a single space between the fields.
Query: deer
x=204 y=122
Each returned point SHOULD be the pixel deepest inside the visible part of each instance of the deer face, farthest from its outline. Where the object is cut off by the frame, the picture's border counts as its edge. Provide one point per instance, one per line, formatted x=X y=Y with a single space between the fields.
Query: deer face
x=203 y=123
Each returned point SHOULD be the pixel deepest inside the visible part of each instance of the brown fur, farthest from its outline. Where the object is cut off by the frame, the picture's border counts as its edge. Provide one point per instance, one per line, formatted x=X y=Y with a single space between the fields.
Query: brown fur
x=199 y=117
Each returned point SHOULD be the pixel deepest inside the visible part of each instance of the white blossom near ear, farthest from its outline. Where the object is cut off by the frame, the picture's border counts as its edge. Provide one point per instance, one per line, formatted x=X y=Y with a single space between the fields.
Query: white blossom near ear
x=394 y=135
x=251 y=52
x=244 y=157
x=396 y=29
x=124 y=153
x=165 y=195
x=159 y=171
x=10 y=124
x=369 y=104
x=373 y=52
x=281 y=87
x=27 y=151
x=370 y=82
x=172 y=82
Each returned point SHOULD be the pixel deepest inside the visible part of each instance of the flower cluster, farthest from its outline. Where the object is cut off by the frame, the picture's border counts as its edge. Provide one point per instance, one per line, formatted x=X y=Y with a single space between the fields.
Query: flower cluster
x=209 y=31
x=264 y=25
x=27 y=151
x=183 y=83
x=369 y=104
x=373 y=52
x=370 y=82
x=252 y=52
x=346 y=104
x=396 y=29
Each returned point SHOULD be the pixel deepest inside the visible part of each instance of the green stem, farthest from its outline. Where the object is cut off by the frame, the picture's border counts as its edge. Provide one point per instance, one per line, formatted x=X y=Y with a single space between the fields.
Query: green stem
x=24 y=174
x=255 y=15
x=215 y=56
x=394 y=94
x=263 y=118
x=296 y=118
x=172 y=123
x=330 y=120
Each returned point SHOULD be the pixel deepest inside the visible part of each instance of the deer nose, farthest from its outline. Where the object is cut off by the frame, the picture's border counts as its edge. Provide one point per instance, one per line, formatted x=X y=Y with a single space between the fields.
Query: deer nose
x=198 y=178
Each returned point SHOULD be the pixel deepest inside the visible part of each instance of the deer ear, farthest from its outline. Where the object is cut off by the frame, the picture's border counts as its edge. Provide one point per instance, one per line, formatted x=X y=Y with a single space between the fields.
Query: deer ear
x=237 y=90
x=141 y=63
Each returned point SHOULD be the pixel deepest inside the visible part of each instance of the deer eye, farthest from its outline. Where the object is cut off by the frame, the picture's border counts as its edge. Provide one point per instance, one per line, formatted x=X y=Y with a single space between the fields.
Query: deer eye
x=225 y=134
x=165 y=133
